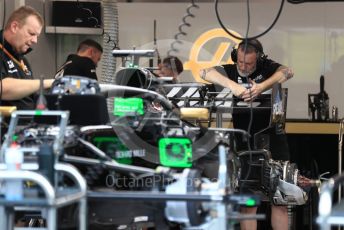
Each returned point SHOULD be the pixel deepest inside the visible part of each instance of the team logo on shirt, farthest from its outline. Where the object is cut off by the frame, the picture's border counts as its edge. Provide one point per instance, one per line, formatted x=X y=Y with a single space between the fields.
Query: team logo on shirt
x=259 y=78
x=11 y=67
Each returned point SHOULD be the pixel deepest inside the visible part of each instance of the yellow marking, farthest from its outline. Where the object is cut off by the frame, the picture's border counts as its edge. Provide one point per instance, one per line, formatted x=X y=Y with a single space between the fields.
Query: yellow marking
x=194 y=65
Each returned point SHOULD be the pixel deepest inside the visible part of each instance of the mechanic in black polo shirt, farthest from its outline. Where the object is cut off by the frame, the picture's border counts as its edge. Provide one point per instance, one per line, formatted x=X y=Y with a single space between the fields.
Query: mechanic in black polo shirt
x=84 y=62
x=17 y=83
x=251 y=75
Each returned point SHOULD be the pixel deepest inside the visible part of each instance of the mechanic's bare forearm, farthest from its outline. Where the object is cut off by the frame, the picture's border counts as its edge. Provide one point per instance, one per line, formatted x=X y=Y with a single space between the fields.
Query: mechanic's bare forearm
x=280 y=76
x=14 y=89
x=213 y=76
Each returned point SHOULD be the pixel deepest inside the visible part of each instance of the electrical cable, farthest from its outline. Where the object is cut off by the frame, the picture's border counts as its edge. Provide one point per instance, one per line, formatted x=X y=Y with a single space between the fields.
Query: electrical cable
x=304 y=1
x=156 y=51
x=245 y=39
x=181 y=32
x=110 y=43
x=110 y=40
x=248 y=38
x=296 y=1
x=90 y=14
x=325 y=42
x=250 y=92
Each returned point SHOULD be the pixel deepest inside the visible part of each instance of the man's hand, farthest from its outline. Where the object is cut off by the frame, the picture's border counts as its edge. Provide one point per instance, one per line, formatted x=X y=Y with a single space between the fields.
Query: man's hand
x=213 y=76
x=239 y=91
x=251 y=93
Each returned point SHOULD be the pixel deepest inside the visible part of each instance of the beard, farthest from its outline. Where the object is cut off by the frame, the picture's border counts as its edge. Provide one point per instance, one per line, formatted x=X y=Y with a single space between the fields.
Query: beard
x=247 y=73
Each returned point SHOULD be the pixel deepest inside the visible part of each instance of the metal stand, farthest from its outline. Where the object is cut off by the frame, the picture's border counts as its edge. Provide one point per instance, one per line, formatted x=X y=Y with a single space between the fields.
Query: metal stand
x=340 y=157
x=330 y=214
x=53 y=196
x=17 y=115
x=340 y=145
x=53 y=199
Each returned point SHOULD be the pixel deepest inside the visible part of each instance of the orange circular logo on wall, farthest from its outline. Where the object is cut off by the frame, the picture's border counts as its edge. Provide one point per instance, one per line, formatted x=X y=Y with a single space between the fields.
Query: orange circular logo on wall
x=195 y=65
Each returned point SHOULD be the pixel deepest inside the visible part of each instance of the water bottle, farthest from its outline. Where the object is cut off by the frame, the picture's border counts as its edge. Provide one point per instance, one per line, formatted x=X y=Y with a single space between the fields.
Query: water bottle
x=14 y=159
x=334 y=113
x=323 y=102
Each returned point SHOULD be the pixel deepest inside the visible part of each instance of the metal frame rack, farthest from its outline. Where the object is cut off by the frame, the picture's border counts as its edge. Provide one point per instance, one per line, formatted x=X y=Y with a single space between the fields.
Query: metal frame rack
x=54 y=197
x=331 y=214
x=52 y=200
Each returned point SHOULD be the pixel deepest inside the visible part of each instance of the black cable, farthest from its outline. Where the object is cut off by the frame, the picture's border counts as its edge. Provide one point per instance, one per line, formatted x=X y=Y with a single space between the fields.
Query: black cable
x=250 y=92
x=115 y=43
x=303 y=1
x=248 y=38
x=181 y=30
x=88 y=17
x=296 y=1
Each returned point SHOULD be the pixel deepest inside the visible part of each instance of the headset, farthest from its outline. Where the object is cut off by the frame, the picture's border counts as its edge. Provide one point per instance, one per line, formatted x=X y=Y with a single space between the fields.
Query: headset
x=250 y=43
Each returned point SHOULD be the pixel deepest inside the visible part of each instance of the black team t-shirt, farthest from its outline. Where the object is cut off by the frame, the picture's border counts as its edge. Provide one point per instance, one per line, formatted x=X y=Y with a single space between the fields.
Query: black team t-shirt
x=78 y=66
x=10 y=68
x=261 y=117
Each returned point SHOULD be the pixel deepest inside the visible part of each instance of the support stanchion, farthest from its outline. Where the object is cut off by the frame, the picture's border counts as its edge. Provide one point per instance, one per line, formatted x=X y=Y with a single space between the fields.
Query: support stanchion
x=340 y=145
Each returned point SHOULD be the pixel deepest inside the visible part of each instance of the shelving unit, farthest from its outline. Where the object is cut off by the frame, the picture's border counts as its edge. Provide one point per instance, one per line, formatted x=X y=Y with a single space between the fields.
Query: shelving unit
x=72 y=30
